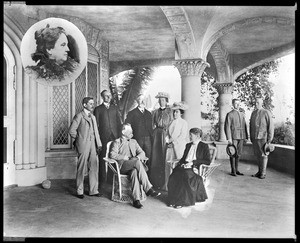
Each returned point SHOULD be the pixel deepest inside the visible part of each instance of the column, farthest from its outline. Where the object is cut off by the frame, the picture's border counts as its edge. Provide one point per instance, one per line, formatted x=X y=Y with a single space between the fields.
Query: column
x=225 y=98
x=190 y=71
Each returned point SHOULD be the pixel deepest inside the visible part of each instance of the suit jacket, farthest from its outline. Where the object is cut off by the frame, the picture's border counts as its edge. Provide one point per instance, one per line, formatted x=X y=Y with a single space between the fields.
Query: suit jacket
x=119 y=150
x=202 y=155
x=261 y=125
x=235 y=125
x=79 y=130
x=141 y=123
x=108 y=121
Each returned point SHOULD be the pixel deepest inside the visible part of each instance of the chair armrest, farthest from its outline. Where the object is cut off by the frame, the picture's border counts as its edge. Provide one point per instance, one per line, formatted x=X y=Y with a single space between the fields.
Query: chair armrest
x=110 y=162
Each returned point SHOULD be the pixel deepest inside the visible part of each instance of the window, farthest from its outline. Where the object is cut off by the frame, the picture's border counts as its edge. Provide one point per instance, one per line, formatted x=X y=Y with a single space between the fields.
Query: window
x=65 y=102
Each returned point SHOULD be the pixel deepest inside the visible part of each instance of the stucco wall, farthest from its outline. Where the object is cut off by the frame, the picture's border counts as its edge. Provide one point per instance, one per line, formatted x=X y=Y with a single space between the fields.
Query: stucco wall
x=281 y=159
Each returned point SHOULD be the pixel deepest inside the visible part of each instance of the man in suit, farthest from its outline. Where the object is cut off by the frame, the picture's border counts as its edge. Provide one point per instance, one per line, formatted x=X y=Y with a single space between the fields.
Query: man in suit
x=109 y=125
x=129 y=155
x=261 y=132
x=141 y=123
x=236 y=133
x=87 y=144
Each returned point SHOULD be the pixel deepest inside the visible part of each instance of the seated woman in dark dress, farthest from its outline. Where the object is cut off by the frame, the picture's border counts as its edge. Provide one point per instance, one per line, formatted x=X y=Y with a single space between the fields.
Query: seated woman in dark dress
x=185 y=187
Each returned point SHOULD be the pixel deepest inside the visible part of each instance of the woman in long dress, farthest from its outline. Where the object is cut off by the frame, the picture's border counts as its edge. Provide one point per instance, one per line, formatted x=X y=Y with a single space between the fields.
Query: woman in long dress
x=162 y=118
x=176 y=138
x=185 y=187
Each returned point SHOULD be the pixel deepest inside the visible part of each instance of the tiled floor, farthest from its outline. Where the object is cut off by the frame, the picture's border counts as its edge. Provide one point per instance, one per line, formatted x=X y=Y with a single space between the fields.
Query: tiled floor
x=238 y=207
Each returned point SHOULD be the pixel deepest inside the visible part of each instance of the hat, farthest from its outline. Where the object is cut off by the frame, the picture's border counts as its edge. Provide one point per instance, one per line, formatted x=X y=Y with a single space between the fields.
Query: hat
x=268 y=148
x=231 y=150
x=162 y=95
x=179 y=106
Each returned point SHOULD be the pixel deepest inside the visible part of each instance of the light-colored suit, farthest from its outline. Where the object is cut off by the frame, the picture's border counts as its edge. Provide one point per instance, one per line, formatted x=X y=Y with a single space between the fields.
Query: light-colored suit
x=121 y=148
x=85 y=132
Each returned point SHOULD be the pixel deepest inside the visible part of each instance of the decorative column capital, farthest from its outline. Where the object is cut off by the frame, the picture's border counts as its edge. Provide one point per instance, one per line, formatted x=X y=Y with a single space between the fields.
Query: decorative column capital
x=191 y=67
x=224 y=88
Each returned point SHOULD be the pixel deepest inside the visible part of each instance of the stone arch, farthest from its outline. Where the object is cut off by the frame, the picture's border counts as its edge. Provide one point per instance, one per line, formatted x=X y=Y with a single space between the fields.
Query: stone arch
x=221 y=59
x=246 y=22
x=185 y=40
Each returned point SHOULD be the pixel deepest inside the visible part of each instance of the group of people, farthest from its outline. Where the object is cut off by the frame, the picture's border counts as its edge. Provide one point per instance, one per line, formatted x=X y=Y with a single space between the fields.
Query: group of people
x=261 y=135
x=158 y=137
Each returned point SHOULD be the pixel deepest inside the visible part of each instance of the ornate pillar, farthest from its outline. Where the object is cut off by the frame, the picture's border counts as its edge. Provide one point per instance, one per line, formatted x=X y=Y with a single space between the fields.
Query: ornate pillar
x=190 y=71
x=225 y=98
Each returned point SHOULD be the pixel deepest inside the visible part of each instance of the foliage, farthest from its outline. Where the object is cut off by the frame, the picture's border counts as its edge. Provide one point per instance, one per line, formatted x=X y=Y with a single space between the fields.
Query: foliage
x=209 y=106
x=254 y=82
x=133 y=84
x=284 y=133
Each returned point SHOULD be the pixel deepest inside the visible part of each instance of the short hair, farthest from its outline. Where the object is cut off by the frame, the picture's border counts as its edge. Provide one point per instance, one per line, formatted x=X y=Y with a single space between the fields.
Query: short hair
x=233 y=100
x=125 y=125
x=102 y=93
x=196 y=131
x=85 y=100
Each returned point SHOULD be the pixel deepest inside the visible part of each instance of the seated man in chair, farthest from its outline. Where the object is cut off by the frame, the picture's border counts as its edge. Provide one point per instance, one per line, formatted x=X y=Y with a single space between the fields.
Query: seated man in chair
x=129 y=155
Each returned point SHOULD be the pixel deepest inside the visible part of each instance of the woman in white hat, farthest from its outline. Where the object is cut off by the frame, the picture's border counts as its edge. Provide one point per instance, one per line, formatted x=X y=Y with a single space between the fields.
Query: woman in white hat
x=162 y=118
x=178 y=135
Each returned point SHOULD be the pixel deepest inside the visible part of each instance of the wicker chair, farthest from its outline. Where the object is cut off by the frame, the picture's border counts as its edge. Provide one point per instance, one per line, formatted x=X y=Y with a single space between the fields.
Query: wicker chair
x=204 y=171
x=121 y=186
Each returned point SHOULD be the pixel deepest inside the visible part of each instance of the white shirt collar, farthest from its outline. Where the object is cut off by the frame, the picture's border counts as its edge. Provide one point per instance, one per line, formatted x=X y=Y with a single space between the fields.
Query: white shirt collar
x=141 y=109
x=87 y=112
x=106 y=104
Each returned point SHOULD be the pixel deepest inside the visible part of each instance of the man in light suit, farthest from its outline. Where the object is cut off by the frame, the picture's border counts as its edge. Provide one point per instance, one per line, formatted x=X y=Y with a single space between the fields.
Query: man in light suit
x=129 y=155
x=261 y=132
x=236 y=133
x=109 y=126
x=87 y=143
x=141 y=122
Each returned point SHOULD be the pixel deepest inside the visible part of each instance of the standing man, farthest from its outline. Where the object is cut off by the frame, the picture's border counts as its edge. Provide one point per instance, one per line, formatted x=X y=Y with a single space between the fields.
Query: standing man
x=109 y=126
x=129 y=155
x=87 y=144
x=236 y=133
x=261 y=132
x=141 y=123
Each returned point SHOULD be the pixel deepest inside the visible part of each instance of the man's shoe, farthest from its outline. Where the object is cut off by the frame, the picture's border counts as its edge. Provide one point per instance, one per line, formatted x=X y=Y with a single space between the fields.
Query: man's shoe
x=262 y=176
x=239 y=173
x=233 y=174
x=81 y=196
x=97 y=195
x=256 y=175
x=177 y=206
x=153 y=193
x=137 y=204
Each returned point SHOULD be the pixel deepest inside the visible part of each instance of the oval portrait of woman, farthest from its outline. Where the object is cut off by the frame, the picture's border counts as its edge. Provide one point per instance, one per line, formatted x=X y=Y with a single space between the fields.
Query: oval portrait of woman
x=54 y=52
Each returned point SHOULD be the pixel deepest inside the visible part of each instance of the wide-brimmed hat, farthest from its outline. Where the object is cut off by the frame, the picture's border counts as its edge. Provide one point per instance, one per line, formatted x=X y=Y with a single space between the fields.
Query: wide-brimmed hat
x=179 y=106
x=268 y=148
x=162 y=95
x=231 y=150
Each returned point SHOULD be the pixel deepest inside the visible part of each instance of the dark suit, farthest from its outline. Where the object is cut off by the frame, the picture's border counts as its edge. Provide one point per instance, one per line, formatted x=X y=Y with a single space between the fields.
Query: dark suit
x=109 y=126
x=141 y=124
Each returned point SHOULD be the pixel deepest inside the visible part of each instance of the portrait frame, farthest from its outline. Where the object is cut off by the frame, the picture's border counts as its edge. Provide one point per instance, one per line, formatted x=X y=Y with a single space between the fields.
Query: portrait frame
x=61 y=74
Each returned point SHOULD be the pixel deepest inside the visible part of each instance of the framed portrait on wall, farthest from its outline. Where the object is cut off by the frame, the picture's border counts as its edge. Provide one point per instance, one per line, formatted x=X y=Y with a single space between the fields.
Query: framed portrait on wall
x=54 y=52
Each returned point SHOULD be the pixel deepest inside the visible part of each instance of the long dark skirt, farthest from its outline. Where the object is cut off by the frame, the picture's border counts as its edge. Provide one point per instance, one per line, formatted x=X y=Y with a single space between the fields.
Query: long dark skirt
x=185 y=187
x=158 y=159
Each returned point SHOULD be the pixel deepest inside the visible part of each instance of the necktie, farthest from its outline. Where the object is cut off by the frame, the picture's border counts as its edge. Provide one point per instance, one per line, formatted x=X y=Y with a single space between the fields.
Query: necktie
x=89 y=115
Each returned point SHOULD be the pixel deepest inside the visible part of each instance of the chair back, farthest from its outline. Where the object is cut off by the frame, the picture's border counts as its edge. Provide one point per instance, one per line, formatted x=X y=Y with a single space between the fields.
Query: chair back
x=108 y=149
x=213 y=153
